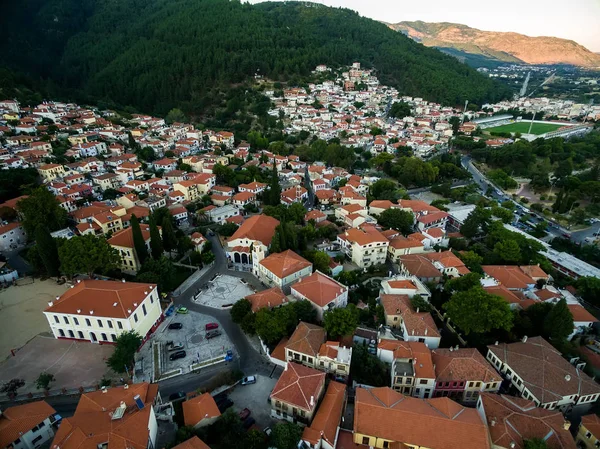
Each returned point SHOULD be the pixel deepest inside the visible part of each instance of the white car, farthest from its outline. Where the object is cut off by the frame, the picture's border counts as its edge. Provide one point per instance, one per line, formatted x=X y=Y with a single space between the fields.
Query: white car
x=249 y=380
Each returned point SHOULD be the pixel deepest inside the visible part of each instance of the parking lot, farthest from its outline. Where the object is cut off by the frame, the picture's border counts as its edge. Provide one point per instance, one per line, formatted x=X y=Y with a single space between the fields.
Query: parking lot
x=192 y=336
x=255 y=397
x=223 y=291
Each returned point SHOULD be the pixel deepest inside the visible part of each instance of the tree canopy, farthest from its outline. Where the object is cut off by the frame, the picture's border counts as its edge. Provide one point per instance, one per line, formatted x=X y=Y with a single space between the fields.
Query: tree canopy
x=398 y=219
x=162 y=55
x=87 y=254
x=340 y=322
x=42 y=208
x=127 y=344
x=477 y=311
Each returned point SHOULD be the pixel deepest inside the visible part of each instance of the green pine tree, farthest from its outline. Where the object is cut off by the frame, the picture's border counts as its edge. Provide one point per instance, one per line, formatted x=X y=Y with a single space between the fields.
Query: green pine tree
x=168 y=235
x=138 y=240
x=273 y=197
x=47 y=250
x=156 y=244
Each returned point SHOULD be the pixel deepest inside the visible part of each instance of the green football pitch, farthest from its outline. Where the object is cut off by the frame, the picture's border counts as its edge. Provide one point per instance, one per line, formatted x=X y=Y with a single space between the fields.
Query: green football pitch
x=523 y=128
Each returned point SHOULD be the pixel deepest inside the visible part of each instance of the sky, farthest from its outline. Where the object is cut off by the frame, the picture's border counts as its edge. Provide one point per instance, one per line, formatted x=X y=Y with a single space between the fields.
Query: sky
x=578 y=20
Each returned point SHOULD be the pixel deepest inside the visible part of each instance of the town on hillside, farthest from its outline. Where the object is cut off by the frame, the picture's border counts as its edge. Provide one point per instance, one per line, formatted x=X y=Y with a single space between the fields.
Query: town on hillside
x=390 y=273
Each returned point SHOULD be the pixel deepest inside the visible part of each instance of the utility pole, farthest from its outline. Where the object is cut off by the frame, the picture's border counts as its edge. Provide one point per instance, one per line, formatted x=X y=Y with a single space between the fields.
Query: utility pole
x=531 y=124
x=465 y=111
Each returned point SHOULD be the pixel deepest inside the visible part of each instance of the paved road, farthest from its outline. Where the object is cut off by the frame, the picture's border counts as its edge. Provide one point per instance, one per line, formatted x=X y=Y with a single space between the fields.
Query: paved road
x=247 y=359
x=499 y=195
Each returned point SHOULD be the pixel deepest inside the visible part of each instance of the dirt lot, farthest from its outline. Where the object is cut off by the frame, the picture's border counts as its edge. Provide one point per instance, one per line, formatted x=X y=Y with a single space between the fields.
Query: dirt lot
x=21 y=316
x=73 y=364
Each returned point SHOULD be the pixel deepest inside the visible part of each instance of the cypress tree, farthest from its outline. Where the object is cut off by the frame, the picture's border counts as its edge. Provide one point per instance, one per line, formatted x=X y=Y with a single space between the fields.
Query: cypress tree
x=274 y=194
x=47 y=250
x=168 y=235
x=138 y=240
x=156 y=244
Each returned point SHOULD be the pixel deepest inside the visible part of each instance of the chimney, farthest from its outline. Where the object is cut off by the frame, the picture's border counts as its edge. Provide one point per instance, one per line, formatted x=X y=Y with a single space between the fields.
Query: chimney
x=125 y=387
x=512 y=445
x=312 y=401
x=425 y=331
x=50 y=303
x=417 y=310
x=567 y=377
x=493 y=422
x=496 y=343
x=78 y=310
x=567 y=425
x=524 y=339
x=123 y=281
x=91 y=312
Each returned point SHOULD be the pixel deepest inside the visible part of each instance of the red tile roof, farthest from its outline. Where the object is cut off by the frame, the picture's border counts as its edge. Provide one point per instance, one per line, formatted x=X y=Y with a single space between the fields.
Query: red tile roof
x=285 y=264
x=387 y=414
x=463 y=364
x=299 y=386
x=307 y=339
x=257 y=227
x=18 y=420
x=105 y=298
x=319 y=288
x=327 y=419
x=273 y=297
x=199 y=408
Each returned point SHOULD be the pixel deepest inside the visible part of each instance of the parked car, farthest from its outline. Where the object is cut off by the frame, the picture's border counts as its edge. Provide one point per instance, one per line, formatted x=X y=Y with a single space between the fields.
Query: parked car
x=249 y=380
x=225 y=405
x=177 y=355
x=211 y=326
x=249 y=422
x=175 y=326
x=267 y=431
x=174 y=345
x=176 y=396
x=244 y=414
x=212 y=334
x=182 y=310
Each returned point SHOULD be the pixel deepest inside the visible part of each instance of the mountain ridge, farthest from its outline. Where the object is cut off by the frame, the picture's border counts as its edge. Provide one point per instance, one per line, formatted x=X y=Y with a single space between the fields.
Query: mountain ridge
x=503 y=46
x=158 y=54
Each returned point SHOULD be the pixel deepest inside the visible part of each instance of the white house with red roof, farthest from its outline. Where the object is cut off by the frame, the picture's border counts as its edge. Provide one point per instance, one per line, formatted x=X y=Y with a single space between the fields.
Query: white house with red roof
x=323 y=292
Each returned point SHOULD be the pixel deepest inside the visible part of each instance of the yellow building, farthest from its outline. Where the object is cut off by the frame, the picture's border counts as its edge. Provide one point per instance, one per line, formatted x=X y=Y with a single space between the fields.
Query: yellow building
x=588 y=435
x=110 y=221
x=122 y=241
x=51 y=171
x=77 y=139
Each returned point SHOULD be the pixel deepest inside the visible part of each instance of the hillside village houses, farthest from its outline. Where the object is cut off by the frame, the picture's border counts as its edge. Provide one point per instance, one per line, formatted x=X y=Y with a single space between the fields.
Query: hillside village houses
x=106 y=182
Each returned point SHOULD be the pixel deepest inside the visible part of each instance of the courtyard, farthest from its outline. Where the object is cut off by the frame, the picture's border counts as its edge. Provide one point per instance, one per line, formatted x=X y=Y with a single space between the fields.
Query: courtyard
x=223 y=291
x=21 y=312
x=153 y=361
x=255 y=398
x=74 y=364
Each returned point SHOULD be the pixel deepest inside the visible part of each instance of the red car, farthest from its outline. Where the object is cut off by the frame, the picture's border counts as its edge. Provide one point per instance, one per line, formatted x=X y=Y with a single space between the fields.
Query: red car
x=244 y=414
x=211 y=326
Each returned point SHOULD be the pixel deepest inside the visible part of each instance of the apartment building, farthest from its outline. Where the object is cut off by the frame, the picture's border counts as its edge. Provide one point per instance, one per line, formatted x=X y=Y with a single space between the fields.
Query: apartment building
x=99 y=311
x=324 y=429
x=122 y=241
x=588 y=433
x=365 y=246
x=283 y=269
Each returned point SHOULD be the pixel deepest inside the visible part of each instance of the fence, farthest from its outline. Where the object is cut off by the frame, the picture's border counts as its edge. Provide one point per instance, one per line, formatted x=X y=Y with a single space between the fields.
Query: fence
x=31 y=396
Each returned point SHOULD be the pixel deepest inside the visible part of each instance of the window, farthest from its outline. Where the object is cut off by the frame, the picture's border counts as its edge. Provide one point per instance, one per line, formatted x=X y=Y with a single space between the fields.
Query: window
x=42 y=424
x=113 y=337
x=365 y=440
x=66 y=320
x=144 y=309
x=119 y=325
x=61 y=332
x=597 y=444
x=423 y=382
x=151 y=299
x=110 y=324
x=588 y=434
x=76 y=321
x=135 y=318
x=386 y=444
x=56 y=320
x=99 y=323
x=87 y=322
x=71 y=334
x=36 y=439
x=80 y=334
x=104 y=337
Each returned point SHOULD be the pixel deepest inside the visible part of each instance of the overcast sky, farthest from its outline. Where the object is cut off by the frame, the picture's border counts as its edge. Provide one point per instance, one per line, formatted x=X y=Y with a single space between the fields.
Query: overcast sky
x=578 y=20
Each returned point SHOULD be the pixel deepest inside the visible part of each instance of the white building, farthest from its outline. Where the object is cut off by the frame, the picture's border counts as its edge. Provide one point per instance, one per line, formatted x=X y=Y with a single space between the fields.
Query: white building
x=27 y=426
x=11 y=236
x=99 y=311
x=283 y=269
x=322 y=291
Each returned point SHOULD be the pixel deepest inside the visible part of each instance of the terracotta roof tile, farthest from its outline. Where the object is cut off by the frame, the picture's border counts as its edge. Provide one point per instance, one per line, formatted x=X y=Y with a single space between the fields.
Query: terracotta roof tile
x=463 y=364
x=307 y=339
x=101 y=297
x=326 y=421
x=285 y=264
x=192 y=443
x=257 y=227
x=389 y=415
x=297 y=385
x=319 y=288
x=272 y=297
x=198 y=408
x=18 y=420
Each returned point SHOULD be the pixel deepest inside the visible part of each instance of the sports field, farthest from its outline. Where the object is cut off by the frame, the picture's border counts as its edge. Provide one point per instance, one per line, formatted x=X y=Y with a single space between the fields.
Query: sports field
x=523 y=128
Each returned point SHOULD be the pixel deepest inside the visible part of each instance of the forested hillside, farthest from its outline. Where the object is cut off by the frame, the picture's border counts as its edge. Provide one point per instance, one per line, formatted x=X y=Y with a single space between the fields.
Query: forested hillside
x=156 y=54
